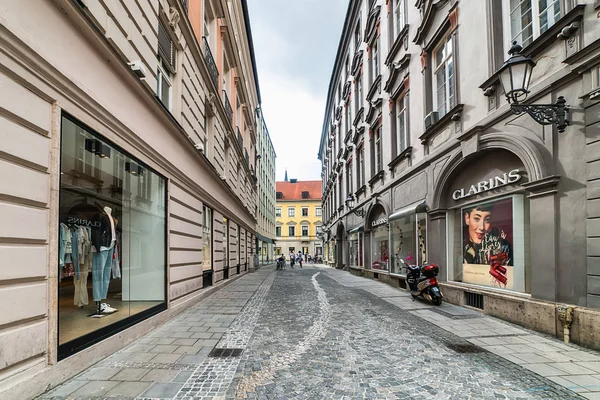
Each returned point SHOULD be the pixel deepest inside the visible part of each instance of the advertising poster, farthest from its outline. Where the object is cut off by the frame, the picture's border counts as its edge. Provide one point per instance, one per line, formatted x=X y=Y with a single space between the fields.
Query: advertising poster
x=487 y=244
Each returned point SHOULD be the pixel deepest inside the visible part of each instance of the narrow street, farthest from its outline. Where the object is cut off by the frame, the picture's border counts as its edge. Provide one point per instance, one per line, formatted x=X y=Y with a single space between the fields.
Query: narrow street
x=320 y=333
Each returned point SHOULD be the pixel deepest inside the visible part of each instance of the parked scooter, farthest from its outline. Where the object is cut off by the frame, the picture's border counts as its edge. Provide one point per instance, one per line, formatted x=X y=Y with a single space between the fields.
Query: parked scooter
x=280 y=264
x=423 y=283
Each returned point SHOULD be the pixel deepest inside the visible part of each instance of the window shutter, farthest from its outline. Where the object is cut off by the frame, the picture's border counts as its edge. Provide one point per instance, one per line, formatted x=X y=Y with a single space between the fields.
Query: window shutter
x=165 y=45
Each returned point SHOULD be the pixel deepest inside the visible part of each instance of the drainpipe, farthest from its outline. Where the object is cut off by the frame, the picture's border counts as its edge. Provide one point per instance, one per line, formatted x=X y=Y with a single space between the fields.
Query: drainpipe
x=565 y=316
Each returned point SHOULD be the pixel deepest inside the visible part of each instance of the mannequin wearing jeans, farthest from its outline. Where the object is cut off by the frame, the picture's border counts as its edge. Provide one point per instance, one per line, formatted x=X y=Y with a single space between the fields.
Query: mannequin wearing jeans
x=102 y=260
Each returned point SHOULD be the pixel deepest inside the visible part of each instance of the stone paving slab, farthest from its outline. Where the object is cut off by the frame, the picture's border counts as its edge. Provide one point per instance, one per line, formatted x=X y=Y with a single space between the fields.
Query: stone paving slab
x=317 y=333
x=546 y=356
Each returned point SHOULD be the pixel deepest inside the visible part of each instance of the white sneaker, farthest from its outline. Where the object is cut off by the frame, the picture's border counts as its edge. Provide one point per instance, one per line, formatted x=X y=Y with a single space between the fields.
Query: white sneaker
x=106 y=308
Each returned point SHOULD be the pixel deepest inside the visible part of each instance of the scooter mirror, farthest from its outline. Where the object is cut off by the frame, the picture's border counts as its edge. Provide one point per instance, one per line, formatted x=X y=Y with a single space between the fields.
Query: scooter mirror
x=402 y=261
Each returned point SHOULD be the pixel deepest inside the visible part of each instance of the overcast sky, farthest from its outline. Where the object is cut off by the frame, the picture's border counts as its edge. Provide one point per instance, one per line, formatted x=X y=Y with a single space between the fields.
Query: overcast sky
x=295 y=42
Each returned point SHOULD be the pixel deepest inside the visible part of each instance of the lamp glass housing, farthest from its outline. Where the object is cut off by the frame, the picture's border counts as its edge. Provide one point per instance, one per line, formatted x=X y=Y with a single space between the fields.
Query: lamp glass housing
x=515 y=75
x=350 y=202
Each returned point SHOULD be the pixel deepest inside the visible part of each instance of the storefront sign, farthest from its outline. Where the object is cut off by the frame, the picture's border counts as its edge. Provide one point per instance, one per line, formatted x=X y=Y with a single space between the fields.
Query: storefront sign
x=492 y=183
x=380 y=221
x=83 y=222
x=482 y=275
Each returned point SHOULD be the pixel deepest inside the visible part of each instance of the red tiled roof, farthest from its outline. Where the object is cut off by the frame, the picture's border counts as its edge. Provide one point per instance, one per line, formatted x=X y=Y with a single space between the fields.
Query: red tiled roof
x=293 y=191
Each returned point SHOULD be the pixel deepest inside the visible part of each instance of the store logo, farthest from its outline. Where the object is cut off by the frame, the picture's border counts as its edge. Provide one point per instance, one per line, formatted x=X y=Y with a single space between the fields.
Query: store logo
x=379 y=221
x=81 y=221
x=492 y=183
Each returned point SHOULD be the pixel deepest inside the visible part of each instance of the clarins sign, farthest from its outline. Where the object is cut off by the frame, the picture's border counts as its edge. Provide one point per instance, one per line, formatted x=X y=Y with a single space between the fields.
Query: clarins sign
x=380 y=221
x=505 y=179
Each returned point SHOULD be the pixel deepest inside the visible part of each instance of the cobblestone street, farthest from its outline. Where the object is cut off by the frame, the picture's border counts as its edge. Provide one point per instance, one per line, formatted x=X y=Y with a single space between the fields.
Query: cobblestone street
x=319 y=333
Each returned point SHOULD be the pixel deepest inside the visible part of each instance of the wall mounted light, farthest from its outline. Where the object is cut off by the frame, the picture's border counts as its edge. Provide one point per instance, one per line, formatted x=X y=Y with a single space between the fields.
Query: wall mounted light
x=515 y=76
x=98 y=148
x=350 y=204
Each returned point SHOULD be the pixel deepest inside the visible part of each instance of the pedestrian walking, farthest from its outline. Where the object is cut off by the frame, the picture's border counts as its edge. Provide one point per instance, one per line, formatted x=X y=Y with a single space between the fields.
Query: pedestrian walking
x=299 y=258
x=292 y=259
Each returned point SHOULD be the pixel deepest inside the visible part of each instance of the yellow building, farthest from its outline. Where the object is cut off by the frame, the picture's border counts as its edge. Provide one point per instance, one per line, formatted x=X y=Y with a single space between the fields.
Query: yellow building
x=298 y=213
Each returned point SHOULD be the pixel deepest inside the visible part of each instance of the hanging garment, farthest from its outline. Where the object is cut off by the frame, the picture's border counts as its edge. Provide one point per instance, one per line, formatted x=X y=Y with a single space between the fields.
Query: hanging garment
x=62 y=243
x=101 y=268
x=116 y=270
x=68 y=245
x=75 y=250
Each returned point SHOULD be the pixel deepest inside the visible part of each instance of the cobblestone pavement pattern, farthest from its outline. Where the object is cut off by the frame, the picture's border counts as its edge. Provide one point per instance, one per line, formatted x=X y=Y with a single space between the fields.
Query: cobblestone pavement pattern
x=319 y=333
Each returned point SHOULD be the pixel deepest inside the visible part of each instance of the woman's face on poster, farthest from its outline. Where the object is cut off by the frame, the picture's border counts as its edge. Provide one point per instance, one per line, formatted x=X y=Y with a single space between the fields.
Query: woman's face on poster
x=479 y=223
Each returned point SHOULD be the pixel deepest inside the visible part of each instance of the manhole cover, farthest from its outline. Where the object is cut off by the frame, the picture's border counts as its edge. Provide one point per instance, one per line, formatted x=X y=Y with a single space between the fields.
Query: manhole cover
x=225 y=352
x=465 y=348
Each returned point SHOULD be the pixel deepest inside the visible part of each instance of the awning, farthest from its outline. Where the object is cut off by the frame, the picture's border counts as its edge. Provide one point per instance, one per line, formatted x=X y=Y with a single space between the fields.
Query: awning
x=417 y=207
x=358 y=228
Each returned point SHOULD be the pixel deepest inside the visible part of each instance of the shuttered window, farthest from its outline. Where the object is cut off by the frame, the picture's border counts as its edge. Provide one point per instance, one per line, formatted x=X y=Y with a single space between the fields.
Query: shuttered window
x=165 y=46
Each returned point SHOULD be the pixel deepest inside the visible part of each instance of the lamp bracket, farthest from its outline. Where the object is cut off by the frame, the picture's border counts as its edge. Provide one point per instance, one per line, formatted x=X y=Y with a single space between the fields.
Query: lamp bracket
x=359 y=213
x=545 y=114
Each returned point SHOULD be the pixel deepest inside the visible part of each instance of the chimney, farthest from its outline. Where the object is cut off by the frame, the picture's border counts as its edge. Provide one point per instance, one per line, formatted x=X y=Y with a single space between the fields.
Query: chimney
x=286 y=178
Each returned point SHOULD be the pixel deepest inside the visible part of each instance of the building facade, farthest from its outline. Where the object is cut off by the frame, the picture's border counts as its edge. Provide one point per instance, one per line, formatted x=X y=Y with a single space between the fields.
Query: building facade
x=419 y=137
x=299 y=217
x=127 y=161
x=265 y=168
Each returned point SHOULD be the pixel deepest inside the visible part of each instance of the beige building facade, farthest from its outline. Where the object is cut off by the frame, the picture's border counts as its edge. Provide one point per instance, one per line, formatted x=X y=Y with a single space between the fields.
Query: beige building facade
x=425 y=160
x=127 y=156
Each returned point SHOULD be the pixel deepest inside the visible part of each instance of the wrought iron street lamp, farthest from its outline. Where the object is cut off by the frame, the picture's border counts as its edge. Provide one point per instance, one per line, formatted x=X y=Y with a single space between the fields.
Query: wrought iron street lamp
x=350 y=204
x=515 y=76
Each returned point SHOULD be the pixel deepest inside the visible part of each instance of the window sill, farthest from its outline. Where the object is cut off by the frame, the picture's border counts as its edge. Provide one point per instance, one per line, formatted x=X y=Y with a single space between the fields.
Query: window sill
x=406 y=153
x=397 y=45
x=378 y=176
x=361 y=190
x=435 y=128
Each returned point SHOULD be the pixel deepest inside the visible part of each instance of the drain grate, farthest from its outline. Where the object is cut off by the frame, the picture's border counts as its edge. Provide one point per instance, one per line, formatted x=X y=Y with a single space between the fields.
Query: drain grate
x=474 y=300
x=225 y=352
x=465 y=348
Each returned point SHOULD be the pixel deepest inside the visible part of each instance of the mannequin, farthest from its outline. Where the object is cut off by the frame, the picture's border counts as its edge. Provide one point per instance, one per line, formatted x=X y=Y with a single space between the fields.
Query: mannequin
x=103 y=238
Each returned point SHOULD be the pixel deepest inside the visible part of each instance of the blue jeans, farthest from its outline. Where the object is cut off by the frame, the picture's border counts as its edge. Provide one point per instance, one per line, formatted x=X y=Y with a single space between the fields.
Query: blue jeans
x=101 y=266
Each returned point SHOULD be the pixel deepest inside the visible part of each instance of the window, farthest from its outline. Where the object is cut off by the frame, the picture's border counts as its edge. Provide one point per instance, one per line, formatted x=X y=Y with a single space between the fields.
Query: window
x=319 y=229
x=305 y=211
x=291 y=211
x=166 y=66
x=347 y=120
x=596 y=77
x=340 y=191
x=349 y=183
x=304 y=230
x=375 y=60
x=278 y=231
x=399 y=16
x=318 y=211
x=401 y=142
x=376 y=151
x=357 y=39
x=278 y=212
x=347 y=67
x=361 y=166
x=279 y=195
x=305 y=195
x=358 y=94
x=528 y=19
x=291 y=231
x=444 y=77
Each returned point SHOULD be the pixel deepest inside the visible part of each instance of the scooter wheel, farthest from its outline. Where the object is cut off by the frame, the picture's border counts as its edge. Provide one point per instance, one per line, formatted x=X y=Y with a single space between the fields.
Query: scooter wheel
x=437 y=301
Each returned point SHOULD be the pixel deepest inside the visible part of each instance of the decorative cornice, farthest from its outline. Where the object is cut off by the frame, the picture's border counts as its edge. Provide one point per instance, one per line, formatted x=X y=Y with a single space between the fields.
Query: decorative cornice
x=338 y=113
x=371 y=25
x=430 y=9
x=357 y=134
x=358 y=118
x=356 y=62
x=346 y=90
x=375 y=88
x=378 y=176
x=542 y=187
x=400 y=40
x=396 y=68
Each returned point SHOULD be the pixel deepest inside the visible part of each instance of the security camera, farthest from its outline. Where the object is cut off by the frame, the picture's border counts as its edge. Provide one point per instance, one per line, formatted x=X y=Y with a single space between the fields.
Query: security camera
x=138 y=68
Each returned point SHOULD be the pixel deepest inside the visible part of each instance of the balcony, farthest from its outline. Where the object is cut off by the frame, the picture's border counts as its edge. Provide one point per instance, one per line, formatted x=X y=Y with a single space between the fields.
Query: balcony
x=210 y=62
x=228 y=109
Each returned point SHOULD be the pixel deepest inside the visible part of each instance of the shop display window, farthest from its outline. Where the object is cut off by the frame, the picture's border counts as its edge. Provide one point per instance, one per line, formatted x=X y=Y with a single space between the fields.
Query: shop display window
x=112 y=239
x=355 y=249
x=408 y=238
x=380 y=248
x=206 y=238
x=489 y=243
